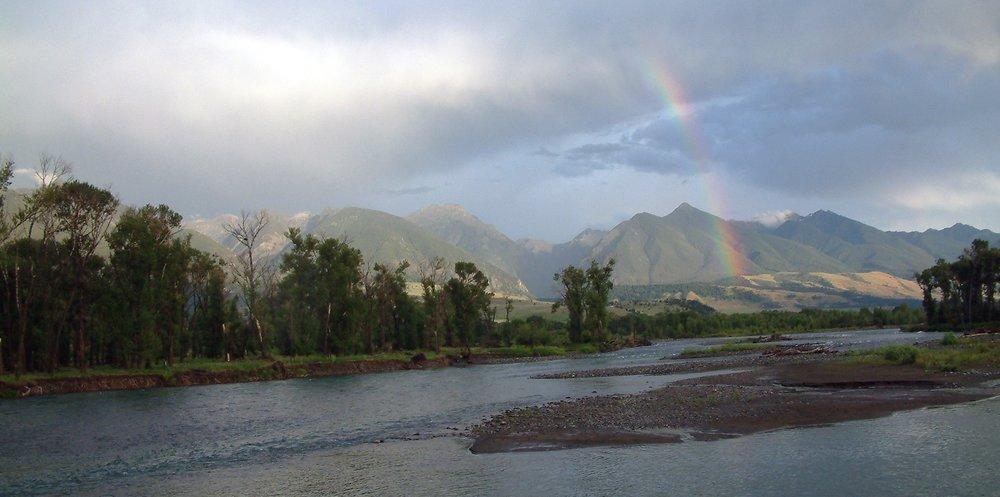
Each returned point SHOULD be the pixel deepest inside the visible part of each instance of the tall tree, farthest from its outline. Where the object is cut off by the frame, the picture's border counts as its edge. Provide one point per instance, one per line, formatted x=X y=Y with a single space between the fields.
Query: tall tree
x=469 y=295
x=83 y=213
x=149 y=273
x=435 y=301
x=573 y=287
x=248 y=269
x=599 y=285
x=25 y=280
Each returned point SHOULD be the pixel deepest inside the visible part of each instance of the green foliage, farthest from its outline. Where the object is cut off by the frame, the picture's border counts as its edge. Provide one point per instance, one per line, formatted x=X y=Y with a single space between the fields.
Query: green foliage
x=949 y=339
x=900 y=354
x=469 y=300
x=961 y=354
x=964 y=291
x=691 y=324
x=573 y=282
x=319 y=298
x=586 y=294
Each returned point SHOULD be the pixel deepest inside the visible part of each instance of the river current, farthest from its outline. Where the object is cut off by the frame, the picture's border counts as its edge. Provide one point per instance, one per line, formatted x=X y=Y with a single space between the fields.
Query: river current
x=393 y=434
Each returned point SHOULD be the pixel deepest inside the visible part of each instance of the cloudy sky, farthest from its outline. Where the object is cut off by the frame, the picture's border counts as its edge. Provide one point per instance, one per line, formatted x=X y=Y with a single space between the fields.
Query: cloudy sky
x=542 y=118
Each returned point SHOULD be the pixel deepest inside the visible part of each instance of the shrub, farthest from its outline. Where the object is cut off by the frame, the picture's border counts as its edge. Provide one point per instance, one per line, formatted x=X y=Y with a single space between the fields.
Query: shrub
x=900 y=354
x=949 y=339
x=529 y=335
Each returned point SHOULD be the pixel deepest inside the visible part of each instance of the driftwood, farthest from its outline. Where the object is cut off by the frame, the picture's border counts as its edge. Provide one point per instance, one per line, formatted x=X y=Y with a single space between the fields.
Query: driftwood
x=980 y=332
x=782 y=351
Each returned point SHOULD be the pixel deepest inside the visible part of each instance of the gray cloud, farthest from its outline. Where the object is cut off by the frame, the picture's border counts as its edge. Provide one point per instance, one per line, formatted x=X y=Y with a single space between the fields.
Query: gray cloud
x=416 y=190
x=893 y=123
x=298 y=106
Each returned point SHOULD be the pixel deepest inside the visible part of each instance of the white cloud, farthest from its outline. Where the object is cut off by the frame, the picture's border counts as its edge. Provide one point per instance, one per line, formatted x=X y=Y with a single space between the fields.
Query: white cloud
x=773 y=219
x=953 y=193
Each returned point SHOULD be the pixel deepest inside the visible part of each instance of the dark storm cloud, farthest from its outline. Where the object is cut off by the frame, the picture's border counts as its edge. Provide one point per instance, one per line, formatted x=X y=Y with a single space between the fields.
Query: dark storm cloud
x=884 y=124
x=627 y=152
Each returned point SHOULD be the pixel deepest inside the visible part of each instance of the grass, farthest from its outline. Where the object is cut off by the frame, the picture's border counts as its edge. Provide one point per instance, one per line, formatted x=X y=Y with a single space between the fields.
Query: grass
x=726 y=348
x=952 y=354
x=211 y=365
x=253 y=364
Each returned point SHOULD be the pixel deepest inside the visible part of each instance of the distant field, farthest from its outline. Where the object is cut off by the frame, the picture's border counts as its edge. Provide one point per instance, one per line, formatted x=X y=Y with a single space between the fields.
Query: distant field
x=526 y=308
x=784 y=291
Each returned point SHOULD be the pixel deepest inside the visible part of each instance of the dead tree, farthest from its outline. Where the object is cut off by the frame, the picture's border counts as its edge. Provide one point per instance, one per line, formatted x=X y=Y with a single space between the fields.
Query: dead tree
x=433 y=275
x=248 y=270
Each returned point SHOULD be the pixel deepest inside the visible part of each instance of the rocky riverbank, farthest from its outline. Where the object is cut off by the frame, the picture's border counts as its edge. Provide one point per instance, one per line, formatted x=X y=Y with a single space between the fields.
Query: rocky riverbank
x=783 y=392
x=736 y=361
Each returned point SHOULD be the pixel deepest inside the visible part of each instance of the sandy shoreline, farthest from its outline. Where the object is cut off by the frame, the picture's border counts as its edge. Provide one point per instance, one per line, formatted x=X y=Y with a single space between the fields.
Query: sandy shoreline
x=778 y=392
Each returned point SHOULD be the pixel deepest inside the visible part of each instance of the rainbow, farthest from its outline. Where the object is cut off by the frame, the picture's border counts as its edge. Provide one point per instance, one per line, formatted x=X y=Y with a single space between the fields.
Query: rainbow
x=725 y=237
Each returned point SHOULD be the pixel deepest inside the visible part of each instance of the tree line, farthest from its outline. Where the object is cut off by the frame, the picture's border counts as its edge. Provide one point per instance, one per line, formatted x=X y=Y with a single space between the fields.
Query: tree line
x=86 y=282
x=962 y=292
x=692 y=324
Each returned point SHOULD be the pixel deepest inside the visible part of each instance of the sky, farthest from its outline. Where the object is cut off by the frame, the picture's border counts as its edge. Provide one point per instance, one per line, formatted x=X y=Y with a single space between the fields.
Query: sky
x=542 y=118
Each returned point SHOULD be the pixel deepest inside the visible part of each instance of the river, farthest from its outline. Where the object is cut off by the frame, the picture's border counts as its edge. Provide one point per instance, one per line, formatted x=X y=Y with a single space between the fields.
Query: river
x=392 y=434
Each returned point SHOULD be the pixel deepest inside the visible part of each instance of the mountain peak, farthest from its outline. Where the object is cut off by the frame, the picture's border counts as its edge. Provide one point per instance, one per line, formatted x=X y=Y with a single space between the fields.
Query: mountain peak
x=452 y=211
x=534 y=245
x=688 y=211
x=825 y=213
x=686 y=207
x=589 y=237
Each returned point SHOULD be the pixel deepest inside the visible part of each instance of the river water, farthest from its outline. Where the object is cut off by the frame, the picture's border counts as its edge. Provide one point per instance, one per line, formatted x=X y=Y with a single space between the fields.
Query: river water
x=391 y=434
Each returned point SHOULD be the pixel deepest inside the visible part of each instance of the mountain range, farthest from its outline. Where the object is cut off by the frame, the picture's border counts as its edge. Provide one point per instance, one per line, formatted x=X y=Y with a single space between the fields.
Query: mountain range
x=681 y=247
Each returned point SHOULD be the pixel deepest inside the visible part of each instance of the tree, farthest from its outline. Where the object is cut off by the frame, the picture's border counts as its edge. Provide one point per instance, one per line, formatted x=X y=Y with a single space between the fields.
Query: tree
x=6 y=176
x=508 y=305
x=83 y=214
x=208 y=297
x=967 y=286
x=24 y=280
x=572 y=294
x=432 y=282
x=248 y=270
x=599 y=285
x=320 y=294
x=925 y=279
x=150 y=274
x=390 y=297
x=469 y=295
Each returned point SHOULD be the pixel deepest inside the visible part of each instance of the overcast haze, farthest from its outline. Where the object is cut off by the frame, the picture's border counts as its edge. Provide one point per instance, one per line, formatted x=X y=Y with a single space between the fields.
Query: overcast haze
x=541 y=118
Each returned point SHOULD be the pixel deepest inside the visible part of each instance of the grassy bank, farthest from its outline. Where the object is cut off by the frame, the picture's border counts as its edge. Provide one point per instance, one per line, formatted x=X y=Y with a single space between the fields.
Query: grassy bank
x=951 y=354
x=299 y=365
x=208 y=365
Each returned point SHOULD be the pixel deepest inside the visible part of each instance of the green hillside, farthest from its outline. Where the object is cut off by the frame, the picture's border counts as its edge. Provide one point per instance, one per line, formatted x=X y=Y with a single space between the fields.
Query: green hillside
x=684 y=246
x=857 y=245
x=455 y=225
x=387 y=238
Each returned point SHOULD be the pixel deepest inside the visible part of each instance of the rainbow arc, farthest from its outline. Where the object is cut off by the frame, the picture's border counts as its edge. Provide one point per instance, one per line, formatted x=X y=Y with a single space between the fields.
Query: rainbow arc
x=725 y=237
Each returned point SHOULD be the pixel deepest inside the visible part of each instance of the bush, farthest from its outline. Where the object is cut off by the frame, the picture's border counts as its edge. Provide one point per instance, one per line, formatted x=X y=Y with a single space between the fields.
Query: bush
x=900 y=354
x=526 y=351
x=525 y=334
x=949 y=339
